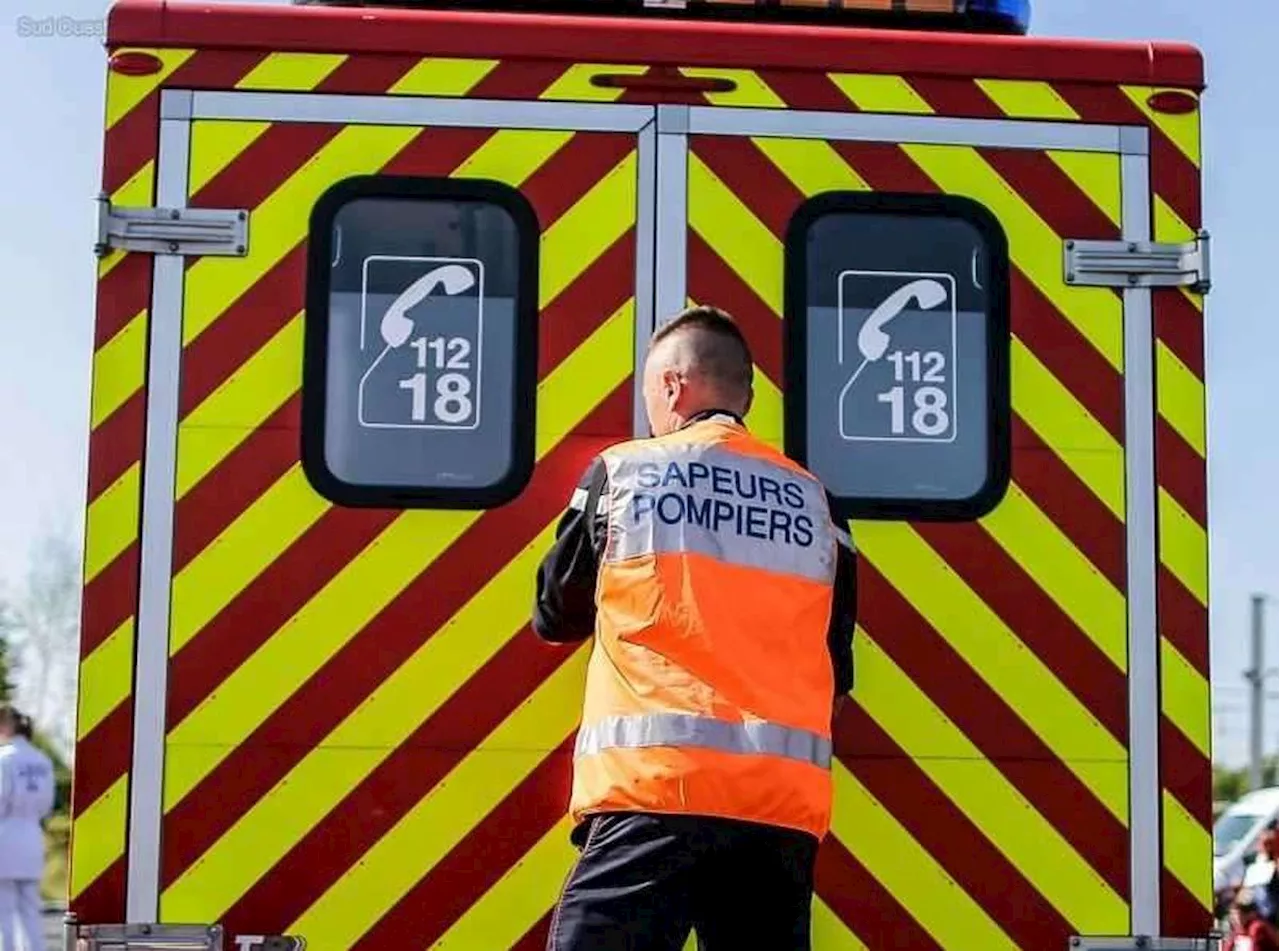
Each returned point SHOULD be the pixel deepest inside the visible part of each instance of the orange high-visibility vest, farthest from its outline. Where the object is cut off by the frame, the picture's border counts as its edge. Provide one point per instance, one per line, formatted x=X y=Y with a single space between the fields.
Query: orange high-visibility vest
x=710 y=688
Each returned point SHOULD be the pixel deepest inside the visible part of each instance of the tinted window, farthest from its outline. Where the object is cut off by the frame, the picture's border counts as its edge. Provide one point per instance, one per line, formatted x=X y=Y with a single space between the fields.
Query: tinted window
x=421 y=344
x=897 y=362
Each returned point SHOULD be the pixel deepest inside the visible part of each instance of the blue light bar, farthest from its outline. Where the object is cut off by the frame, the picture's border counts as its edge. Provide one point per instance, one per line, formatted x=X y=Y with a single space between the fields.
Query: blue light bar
x=1007 y=16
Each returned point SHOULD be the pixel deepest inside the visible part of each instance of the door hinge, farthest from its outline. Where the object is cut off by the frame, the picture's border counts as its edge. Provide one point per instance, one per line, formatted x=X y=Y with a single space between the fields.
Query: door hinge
x=1138 y=263
x=144 y=937
x=182 y=231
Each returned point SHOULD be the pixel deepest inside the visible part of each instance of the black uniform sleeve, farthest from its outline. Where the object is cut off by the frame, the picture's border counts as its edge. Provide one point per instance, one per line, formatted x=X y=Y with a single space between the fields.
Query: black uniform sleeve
x=565 y=608
x=844 y=612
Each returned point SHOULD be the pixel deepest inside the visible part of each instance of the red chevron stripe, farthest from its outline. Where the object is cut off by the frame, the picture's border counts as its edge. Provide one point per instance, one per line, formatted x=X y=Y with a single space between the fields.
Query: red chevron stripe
x=122 y=293
x=1181 y=327
x=1186 y=773
x=273 y=157
x=1065 y=207
x=313 y=711
x=535 y=939
x=1180 y=470
x=552 y=191
x=885 y=167
x=1183 y=619
x=1004 y=585
x=752 y=178
x=116 y=444
x=103 y=901
x=806 y=90
x=1174 y=177
x=713 y=280
x=109 y=600
x=859 y=900
x=131 y=142
x=1061 y=495
x=992 y=726
x=475 y=864
x=518 y=79
x=959 y=846
x=416 y=767
x=107 y=751
x=955 y=97
x=1181 y=912
x=241 y=478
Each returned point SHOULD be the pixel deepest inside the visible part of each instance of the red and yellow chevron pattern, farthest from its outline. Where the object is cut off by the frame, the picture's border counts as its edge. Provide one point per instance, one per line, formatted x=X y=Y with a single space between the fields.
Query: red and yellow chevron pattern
x=365 y=744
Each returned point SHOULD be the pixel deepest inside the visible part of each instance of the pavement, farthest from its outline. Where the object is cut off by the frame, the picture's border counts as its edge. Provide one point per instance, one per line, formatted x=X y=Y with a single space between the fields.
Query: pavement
x=53 y=926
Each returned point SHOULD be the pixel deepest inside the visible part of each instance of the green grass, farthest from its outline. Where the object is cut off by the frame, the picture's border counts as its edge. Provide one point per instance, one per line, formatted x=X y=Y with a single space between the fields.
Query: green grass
x=57 y=838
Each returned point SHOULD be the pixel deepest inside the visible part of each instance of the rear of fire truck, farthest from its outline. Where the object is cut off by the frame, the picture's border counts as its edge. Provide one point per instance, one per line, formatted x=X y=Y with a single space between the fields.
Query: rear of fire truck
x=374 y=286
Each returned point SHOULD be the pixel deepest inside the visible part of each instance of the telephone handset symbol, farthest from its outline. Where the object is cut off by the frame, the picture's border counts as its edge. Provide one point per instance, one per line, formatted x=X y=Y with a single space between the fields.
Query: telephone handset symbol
x=872 y=339
x=396 y=325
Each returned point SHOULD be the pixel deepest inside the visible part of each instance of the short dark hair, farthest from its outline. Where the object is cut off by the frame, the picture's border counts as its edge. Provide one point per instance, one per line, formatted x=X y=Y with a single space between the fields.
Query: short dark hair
x=730 y=365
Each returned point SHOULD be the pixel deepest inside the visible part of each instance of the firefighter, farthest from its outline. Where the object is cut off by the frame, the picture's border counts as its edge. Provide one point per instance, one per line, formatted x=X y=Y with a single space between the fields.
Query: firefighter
x=26 y=797
x=721 y=596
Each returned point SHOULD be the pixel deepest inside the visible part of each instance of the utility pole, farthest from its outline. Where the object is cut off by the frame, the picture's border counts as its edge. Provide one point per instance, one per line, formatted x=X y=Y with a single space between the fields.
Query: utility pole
x=1257 y=698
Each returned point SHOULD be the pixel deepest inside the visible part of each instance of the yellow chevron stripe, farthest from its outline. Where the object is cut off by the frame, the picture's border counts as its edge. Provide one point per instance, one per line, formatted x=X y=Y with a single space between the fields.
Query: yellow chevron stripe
x=586 y=231
x=874 y=93
x=512 y=155
x=97 y=834
x=1187 y=847
x=519 y=899
x=241 y=552
x=811 y=165
x=750 y=89
x=1044 y=551
x=216 y=144
x=209 y=734
x=765 y=418
x=1180 y=397
x=876 y=839
x=125 y=93
x=1098 y=176
x=450 y=810
x=1034 y=247
x=1020 y=99
x=441 y=76
x=1183 y=547
x=294 y=72
x=106 y=677
x=119 y=367
x=1184 y=696
x=1076 y=437
x=737 y=235
x=1182 y=130
x=996 y=655
x=111 y=524
x=244 y=400
x=980 y=791
x=1169 y=226
x=575 y=84
x=393 y=711
x=279 y=223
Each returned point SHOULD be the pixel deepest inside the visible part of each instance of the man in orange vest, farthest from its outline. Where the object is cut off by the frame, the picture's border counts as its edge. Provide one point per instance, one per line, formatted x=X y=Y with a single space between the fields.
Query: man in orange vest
x=721 y=595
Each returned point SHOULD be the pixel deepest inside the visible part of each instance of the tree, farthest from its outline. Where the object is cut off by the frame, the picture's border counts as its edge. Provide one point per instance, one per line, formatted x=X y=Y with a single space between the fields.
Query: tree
x=6 y=686
x=41 y=626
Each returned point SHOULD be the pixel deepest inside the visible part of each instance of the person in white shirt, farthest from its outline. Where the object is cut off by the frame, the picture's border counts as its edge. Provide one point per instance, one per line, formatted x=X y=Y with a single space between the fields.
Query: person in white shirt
x=26 y=797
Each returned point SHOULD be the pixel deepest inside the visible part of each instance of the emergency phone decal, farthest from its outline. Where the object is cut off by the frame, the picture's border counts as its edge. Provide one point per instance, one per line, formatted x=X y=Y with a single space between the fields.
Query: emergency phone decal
x=424 y=347
x=900 y=357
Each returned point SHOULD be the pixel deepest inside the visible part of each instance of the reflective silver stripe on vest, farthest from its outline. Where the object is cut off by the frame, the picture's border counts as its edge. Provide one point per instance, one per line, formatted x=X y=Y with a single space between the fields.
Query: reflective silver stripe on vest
x=703 y=498
x=684 y=729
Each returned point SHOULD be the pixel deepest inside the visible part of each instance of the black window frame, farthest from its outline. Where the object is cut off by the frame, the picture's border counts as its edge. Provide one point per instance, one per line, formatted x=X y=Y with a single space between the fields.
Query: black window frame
x=316 y=339
x=999 y=342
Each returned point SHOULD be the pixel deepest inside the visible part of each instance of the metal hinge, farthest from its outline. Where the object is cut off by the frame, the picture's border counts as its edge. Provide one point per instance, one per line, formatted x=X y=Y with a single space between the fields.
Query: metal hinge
x=1138 y=263
x=145 y=937
x=183 y=231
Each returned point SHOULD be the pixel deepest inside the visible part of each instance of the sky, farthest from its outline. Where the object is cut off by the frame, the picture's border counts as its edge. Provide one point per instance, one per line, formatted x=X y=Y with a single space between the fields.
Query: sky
x=50 y=169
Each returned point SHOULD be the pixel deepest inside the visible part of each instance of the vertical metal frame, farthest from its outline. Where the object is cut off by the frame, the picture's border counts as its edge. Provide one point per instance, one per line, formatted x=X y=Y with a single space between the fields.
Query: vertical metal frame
x=159 y=461
x=646 y=249
x=1140 y=525
x=673 y=206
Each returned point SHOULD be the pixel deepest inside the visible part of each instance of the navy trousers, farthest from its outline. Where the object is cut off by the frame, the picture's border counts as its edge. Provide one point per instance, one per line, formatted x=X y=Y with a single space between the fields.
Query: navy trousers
x=642 y=882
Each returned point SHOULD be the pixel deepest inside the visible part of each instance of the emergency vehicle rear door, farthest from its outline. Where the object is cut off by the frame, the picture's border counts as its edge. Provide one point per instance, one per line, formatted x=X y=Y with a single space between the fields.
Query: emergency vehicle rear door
x=988 y=424
x=360 y=436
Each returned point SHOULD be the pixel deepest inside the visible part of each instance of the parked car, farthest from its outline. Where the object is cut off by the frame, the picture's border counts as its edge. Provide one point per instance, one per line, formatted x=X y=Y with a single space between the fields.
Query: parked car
x=1235 y=835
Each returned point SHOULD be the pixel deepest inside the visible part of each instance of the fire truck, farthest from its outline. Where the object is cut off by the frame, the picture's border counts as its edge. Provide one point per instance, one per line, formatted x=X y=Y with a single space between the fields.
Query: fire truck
x=374 y=284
